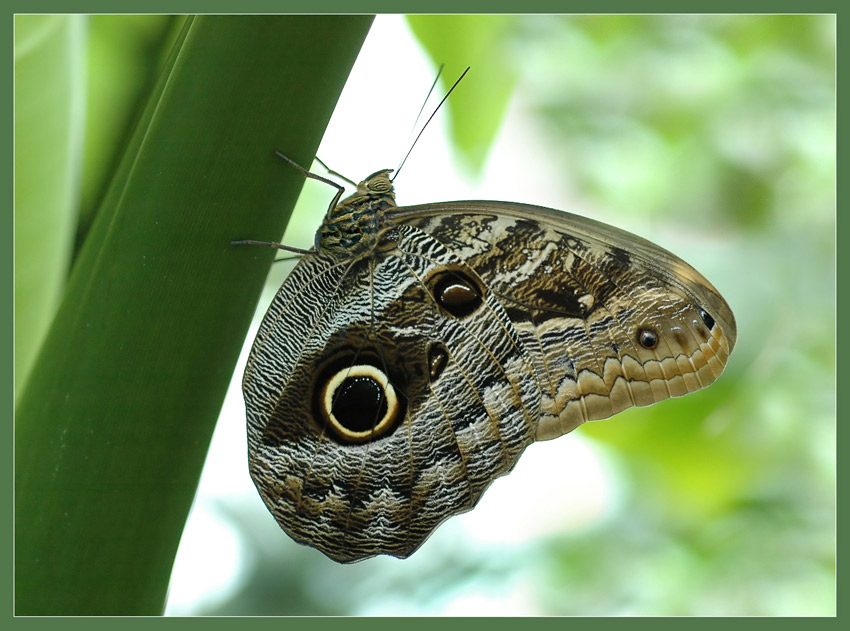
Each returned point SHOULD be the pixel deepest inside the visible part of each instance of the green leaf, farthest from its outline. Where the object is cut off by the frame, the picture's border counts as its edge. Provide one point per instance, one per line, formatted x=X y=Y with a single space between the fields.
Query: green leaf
x=114 y=424
x=479 y=104
x=49 y=114
x=125 y=54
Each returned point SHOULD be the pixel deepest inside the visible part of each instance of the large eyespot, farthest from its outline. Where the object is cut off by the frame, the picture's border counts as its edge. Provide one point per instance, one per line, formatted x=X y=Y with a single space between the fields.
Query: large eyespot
x=647 y=338
x=455 y=292
x=358 y=403
x=706 y=318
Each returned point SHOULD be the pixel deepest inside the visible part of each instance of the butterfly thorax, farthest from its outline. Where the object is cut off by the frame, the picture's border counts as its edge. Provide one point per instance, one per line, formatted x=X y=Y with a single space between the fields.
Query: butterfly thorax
x=353 y=225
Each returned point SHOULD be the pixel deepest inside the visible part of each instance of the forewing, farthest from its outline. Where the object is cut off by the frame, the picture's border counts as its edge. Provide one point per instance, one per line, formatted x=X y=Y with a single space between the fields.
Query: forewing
x=585 y=299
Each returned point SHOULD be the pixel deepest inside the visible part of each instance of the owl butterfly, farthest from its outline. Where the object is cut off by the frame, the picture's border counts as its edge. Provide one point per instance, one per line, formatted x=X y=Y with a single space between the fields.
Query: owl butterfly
x=415 y=352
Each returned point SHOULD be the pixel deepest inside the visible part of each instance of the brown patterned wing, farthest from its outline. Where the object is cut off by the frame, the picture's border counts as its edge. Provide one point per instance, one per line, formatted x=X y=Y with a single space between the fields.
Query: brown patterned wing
x=608 y=319
x=384 y=394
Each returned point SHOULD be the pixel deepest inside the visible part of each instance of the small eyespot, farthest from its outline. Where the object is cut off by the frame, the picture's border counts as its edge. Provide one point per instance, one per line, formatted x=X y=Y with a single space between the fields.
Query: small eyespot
x=706 y=318
x=358 y=403
x=647 y=338
x=455 y=292
x=438 y=358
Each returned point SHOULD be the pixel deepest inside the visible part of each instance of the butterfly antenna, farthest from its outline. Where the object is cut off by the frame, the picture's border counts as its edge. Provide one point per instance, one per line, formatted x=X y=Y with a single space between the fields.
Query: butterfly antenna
x=425 y=102
x=437 y=109
x=335 y=173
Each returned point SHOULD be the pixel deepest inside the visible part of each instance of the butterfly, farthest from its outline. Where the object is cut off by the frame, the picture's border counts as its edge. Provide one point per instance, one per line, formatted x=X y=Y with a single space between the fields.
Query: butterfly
x=414 y=352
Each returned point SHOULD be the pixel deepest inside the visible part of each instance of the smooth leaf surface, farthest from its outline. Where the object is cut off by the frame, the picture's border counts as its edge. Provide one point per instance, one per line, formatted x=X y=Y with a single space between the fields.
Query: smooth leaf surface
x=113 y=427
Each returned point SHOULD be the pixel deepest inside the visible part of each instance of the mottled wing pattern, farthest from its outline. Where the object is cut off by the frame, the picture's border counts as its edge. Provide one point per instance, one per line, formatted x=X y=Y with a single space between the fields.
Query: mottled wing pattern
x=410 y=360
x=608 y=319
x=468 y=397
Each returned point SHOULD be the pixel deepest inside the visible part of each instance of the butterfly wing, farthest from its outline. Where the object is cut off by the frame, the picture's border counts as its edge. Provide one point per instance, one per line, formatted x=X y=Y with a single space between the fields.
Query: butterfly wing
x=386 y=391
x=383 y=395
x=608 y=319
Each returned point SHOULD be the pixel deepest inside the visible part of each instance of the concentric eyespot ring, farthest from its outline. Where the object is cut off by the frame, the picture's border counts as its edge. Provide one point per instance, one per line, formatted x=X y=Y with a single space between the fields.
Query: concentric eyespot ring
x=647 y=338
x=358 y=403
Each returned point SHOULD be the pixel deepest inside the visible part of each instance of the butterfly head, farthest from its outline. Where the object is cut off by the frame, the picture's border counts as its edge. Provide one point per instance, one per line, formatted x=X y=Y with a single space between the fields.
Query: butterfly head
x=352 y=225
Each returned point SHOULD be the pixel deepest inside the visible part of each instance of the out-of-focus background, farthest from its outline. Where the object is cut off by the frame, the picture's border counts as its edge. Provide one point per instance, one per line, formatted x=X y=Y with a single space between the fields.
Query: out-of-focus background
x=713 y=136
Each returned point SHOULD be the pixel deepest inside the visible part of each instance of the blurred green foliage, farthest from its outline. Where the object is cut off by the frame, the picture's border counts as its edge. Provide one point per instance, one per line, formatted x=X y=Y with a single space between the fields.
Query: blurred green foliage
x=80 y=84
x=477 y=108
x=726 y=123
x=49 y=112
x=123 y=55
